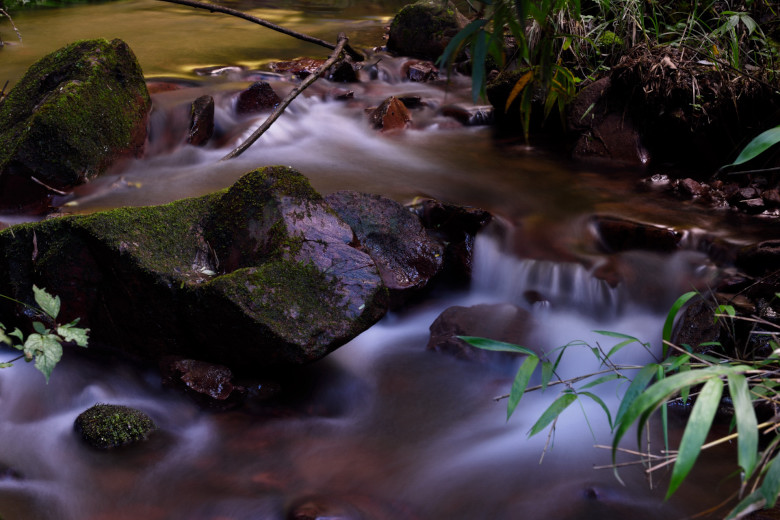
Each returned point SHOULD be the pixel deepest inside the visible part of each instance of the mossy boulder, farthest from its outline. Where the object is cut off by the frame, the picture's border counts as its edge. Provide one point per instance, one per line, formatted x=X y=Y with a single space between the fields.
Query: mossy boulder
x=76 y=112
x=111 y=426
x=423 y=29
x=260 y=274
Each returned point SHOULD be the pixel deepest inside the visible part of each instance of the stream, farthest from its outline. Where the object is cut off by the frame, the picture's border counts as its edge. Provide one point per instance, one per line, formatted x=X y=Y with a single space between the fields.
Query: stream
x=381 y=428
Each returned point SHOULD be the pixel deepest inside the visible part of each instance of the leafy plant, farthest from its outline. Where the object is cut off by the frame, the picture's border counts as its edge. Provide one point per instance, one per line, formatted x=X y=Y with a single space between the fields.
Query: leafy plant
x=682 y=373
x=44 y=346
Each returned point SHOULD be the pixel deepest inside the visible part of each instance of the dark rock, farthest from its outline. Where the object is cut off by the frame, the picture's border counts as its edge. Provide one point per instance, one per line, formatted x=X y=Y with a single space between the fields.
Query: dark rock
x=408 y=258
x=207 y=382
x=261 y=274
x=617 y=234
x=423 y=29
x=342 y=72
x=771 y=197
x=692 y=188
x=469 y=116
x=420 y=71
x=696 y=326
x=501 y=322
x=457 y=227
x=411 y=101
x=201 y=121
x=760 y=259
x=258 y=97
x=615 y=139
x=111 y=426
x=75 y=113
x=390 y=115
x=753 y=206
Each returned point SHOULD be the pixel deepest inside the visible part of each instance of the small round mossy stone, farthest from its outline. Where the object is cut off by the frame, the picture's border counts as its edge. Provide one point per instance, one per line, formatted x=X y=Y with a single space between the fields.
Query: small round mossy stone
x=109 y=425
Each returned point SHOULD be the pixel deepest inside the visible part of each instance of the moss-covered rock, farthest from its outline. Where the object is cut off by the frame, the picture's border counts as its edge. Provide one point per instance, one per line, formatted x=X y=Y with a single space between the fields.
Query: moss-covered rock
x=74 y=113
x=260 y=274
x=111 y=426
x=424 y=29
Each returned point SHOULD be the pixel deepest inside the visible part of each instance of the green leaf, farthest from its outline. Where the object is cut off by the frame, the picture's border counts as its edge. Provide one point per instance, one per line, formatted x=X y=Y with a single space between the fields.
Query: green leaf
x=547 y=373
x=77 y=335
x=5 y=338
x=452 y=48
x=601 y=403
x=46 y=350
x=761 y=143
x=747 y=426
x=696 y=431
x=39 y=327
x=520 y=383
x=770 y=487
x=669 y=323
x=17 y=334
x=48 y=303
x=602 y=379
x=637 y=386
x=553 y=411
x=498 y=346
x=478 y=59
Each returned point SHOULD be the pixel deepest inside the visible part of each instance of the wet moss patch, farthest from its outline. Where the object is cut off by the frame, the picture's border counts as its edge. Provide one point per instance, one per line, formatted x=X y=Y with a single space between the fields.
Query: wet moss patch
x=110 y=426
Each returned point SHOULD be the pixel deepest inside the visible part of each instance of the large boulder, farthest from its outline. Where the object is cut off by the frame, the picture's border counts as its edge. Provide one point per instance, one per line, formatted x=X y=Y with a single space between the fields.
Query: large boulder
x=261 y=274
x=407 y=256
x=74 y=113
x=423 y=29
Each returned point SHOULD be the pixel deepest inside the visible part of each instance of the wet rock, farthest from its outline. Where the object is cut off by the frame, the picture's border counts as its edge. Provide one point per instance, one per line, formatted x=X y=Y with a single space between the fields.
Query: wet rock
x=342 y=72
x=408 y=258
x=258 y=97
x=111 y=426
x=75 y=113
x=617 y=234
x=697 y=326
x=691 y=188
x=501 y=322
x=411 y=101
x=457 y=227
x=469 y=116
x=210 y=384
x=201 y=121
x=419 y=71
x=753 y=206
x=390 y=115
x=261 y=274
x=771 y=197
x=423 y=29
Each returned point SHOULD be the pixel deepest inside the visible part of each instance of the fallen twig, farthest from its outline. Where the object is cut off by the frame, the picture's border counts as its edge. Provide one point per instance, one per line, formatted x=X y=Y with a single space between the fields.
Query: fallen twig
x=18 y=34
x=355 y=55
x=311 y=78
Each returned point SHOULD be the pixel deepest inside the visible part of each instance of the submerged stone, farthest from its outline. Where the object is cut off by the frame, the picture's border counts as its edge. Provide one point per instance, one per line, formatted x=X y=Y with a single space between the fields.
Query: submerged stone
x=75 y=112
x=111 y=426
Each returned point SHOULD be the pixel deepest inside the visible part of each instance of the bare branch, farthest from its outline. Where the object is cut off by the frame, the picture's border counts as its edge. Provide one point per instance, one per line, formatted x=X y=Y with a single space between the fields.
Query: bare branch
x=311 y=78
x=18 y=34
x=265 y=23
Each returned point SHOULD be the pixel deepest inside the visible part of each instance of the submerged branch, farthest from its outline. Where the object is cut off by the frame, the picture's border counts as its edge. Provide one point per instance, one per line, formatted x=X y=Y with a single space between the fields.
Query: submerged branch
x=265 y=23
x=18 y=34
x=311 y=78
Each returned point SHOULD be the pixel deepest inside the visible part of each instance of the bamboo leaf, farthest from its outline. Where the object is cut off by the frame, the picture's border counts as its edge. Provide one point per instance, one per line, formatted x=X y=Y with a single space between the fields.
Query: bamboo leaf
x=452 y=48
x=518 y=88
x=495 y=345
x=637 y=386
x=747 y=426
x=478 y=59
x=547 y=373
x=669 y=323
x=553 y=411
x=758 y=145
x=602 y=379
x=770 y=487
x=520 y=383
x=601 y=403
x=696 y=431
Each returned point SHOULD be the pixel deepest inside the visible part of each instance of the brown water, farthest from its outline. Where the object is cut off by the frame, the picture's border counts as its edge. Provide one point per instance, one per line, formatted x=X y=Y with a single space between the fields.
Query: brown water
x=381 y=429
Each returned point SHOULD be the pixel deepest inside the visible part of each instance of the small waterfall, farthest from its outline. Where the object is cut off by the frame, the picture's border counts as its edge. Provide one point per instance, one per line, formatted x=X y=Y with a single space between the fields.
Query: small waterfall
x=542 y=284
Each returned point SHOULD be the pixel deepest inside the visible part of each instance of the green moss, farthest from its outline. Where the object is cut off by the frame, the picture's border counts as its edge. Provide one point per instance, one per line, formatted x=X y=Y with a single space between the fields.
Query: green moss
x=608 y=40
x=287 y=296
x=73 y=111
x=111 y=426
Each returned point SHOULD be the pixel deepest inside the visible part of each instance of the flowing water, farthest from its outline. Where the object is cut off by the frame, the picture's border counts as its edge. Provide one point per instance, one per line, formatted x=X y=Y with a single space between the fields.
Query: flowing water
x=382 y=428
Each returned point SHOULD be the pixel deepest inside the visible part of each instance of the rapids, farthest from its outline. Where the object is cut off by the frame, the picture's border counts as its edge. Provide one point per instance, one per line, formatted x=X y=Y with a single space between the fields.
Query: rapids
x=380 y=429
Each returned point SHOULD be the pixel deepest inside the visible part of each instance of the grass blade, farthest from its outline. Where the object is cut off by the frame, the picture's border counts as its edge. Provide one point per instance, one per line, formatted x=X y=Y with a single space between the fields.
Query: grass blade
x=696 y=431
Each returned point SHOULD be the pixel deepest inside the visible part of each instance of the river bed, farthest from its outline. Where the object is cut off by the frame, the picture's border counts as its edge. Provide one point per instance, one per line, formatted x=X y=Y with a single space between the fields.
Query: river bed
x=382 y=428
